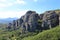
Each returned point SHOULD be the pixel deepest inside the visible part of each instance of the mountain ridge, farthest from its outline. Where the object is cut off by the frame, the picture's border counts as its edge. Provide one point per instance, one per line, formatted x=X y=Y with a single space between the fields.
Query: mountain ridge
x=7 y=20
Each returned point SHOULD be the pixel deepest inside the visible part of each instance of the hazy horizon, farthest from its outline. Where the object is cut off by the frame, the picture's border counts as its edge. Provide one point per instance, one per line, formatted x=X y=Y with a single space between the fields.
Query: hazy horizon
x=17 y=8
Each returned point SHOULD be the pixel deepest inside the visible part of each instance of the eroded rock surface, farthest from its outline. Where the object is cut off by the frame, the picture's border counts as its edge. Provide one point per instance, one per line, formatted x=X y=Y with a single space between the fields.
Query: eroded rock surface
x=29 y=21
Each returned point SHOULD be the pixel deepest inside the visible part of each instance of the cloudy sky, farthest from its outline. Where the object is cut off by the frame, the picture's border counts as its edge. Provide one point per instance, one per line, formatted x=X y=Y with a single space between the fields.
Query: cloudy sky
x=17 y=8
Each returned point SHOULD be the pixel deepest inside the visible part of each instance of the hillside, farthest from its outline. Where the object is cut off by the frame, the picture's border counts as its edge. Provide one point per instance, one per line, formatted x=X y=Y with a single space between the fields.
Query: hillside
x=52 y=34
x=33 y=26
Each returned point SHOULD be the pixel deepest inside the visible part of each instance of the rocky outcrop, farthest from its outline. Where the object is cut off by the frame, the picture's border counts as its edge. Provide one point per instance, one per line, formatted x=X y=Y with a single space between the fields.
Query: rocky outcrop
x=29 y=21
x=41 y=16
x=59 y=18
x=50 y=19
x=9 y=26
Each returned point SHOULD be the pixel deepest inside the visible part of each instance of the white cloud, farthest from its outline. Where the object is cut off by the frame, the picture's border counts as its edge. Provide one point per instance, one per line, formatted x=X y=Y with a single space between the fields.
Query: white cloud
x=2 y=5
x=20 y=2
x=12 y=14
x=35 y=0
x=6 y=3
x=3 y=0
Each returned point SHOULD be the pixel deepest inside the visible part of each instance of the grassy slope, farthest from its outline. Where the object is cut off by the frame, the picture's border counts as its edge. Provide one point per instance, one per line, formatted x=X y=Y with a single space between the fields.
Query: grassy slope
x=52 y=34
x=14 y=35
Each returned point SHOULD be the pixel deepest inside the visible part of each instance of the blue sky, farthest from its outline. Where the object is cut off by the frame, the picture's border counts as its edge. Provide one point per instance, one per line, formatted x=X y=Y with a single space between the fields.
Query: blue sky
x=17 y=8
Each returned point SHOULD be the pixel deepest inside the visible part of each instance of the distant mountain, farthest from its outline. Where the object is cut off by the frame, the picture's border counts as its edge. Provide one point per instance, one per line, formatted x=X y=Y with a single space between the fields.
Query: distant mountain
x=7 y=20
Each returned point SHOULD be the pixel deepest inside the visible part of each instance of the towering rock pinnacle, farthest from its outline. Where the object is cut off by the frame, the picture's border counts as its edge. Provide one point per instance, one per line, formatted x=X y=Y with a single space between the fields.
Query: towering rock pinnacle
x=30 y=20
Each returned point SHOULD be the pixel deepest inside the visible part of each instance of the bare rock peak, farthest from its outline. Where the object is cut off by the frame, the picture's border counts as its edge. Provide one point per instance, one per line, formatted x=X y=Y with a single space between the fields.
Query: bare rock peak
x=30 y=12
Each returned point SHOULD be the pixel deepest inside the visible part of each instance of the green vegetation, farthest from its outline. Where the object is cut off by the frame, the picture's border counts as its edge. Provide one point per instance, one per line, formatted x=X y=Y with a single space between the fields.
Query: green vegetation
x=57 y=11
x=52 y=34
x=2 y=26
x=14 y=35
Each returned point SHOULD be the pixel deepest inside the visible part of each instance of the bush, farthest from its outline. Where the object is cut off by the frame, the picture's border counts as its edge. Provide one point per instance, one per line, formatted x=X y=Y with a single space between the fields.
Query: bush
x=52 y=34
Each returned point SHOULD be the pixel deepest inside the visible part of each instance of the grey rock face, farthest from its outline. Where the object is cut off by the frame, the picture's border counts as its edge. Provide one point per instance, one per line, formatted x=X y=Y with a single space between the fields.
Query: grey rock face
x=29 y=21
x=59 y=19
x=41 y=16
x=50 y=19
x=14 y=24
x=33 y=21
x=9 y=26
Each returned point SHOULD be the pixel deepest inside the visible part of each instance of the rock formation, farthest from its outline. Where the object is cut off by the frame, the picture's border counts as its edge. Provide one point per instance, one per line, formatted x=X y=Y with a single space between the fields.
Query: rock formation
x=50 y=19
x=29 y=21
x=9 y=26
x=59 y=18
